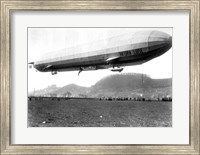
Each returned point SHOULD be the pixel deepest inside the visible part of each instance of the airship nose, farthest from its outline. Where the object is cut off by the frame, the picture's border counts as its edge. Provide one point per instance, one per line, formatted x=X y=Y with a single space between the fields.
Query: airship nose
x=159 y=41
x=157 y=36
x=170 y=40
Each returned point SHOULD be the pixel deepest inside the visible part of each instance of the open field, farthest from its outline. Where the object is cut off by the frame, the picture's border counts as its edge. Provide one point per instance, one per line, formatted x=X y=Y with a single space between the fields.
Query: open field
x=98 y=113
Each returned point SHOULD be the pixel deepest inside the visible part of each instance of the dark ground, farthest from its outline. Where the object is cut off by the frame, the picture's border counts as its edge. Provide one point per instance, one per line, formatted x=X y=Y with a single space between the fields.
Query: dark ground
x=98 y=113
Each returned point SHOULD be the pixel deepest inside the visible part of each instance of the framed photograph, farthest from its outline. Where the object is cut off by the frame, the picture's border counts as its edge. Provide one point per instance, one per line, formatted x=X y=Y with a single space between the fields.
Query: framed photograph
x=107 y=70
x=99 y=77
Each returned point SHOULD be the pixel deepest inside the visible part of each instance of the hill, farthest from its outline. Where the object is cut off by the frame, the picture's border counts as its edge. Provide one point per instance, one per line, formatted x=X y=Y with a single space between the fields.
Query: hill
x=118 y=85
x=42 y=92
x=131 y=85
x=72 y=90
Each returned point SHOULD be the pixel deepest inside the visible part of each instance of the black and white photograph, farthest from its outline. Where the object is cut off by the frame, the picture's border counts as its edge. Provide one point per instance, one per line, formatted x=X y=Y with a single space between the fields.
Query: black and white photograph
x=99 y=76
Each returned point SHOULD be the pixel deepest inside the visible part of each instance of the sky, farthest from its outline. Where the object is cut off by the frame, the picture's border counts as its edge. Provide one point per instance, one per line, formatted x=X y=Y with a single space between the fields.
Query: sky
x=45 y=40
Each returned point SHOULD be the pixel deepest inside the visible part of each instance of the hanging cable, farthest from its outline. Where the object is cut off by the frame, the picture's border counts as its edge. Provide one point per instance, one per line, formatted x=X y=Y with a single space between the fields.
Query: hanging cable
x=142 y=81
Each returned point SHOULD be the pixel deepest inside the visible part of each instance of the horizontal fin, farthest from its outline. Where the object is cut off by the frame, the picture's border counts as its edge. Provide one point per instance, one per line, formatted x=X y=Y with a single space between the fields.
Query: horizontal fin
x=112 y=58
x=48 y=66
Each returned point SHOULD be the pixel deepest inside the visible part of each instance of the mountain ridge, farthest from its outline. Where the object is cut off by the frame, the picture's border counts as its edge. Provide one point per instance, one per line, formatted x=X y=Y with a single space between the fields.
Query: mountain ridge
x=117 y=85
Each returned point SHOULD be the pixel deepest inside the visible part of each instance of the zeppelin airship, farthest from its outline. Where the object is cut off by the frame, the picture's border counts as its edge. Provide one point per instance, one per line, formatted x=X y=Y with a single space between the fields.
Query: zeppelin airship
x=114 y=53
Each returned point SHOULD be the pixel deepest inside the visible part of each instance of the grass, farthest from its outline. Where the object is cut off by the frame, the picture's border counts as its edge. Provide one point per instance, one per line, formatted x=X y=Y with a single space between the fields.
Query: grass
x=98 y=113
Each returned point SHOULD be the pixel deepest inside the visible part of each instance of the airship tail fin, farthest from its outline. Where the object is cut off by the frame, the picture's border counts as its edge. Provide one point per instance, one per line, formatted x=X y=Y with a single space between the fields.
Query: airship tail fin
x=30 y=65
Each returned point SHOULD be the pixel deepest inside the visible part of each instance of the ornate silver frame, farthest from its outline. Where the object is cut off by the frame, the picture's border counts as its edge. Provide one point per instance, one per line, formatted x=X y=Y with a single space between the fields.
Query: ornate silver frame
x=7 y=6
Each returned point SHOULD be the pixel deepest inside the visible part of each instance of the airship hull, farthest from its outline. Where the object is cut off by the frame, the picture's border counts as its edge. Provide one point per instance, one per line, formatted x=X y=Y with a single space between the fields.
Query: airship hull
x=132 y=50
